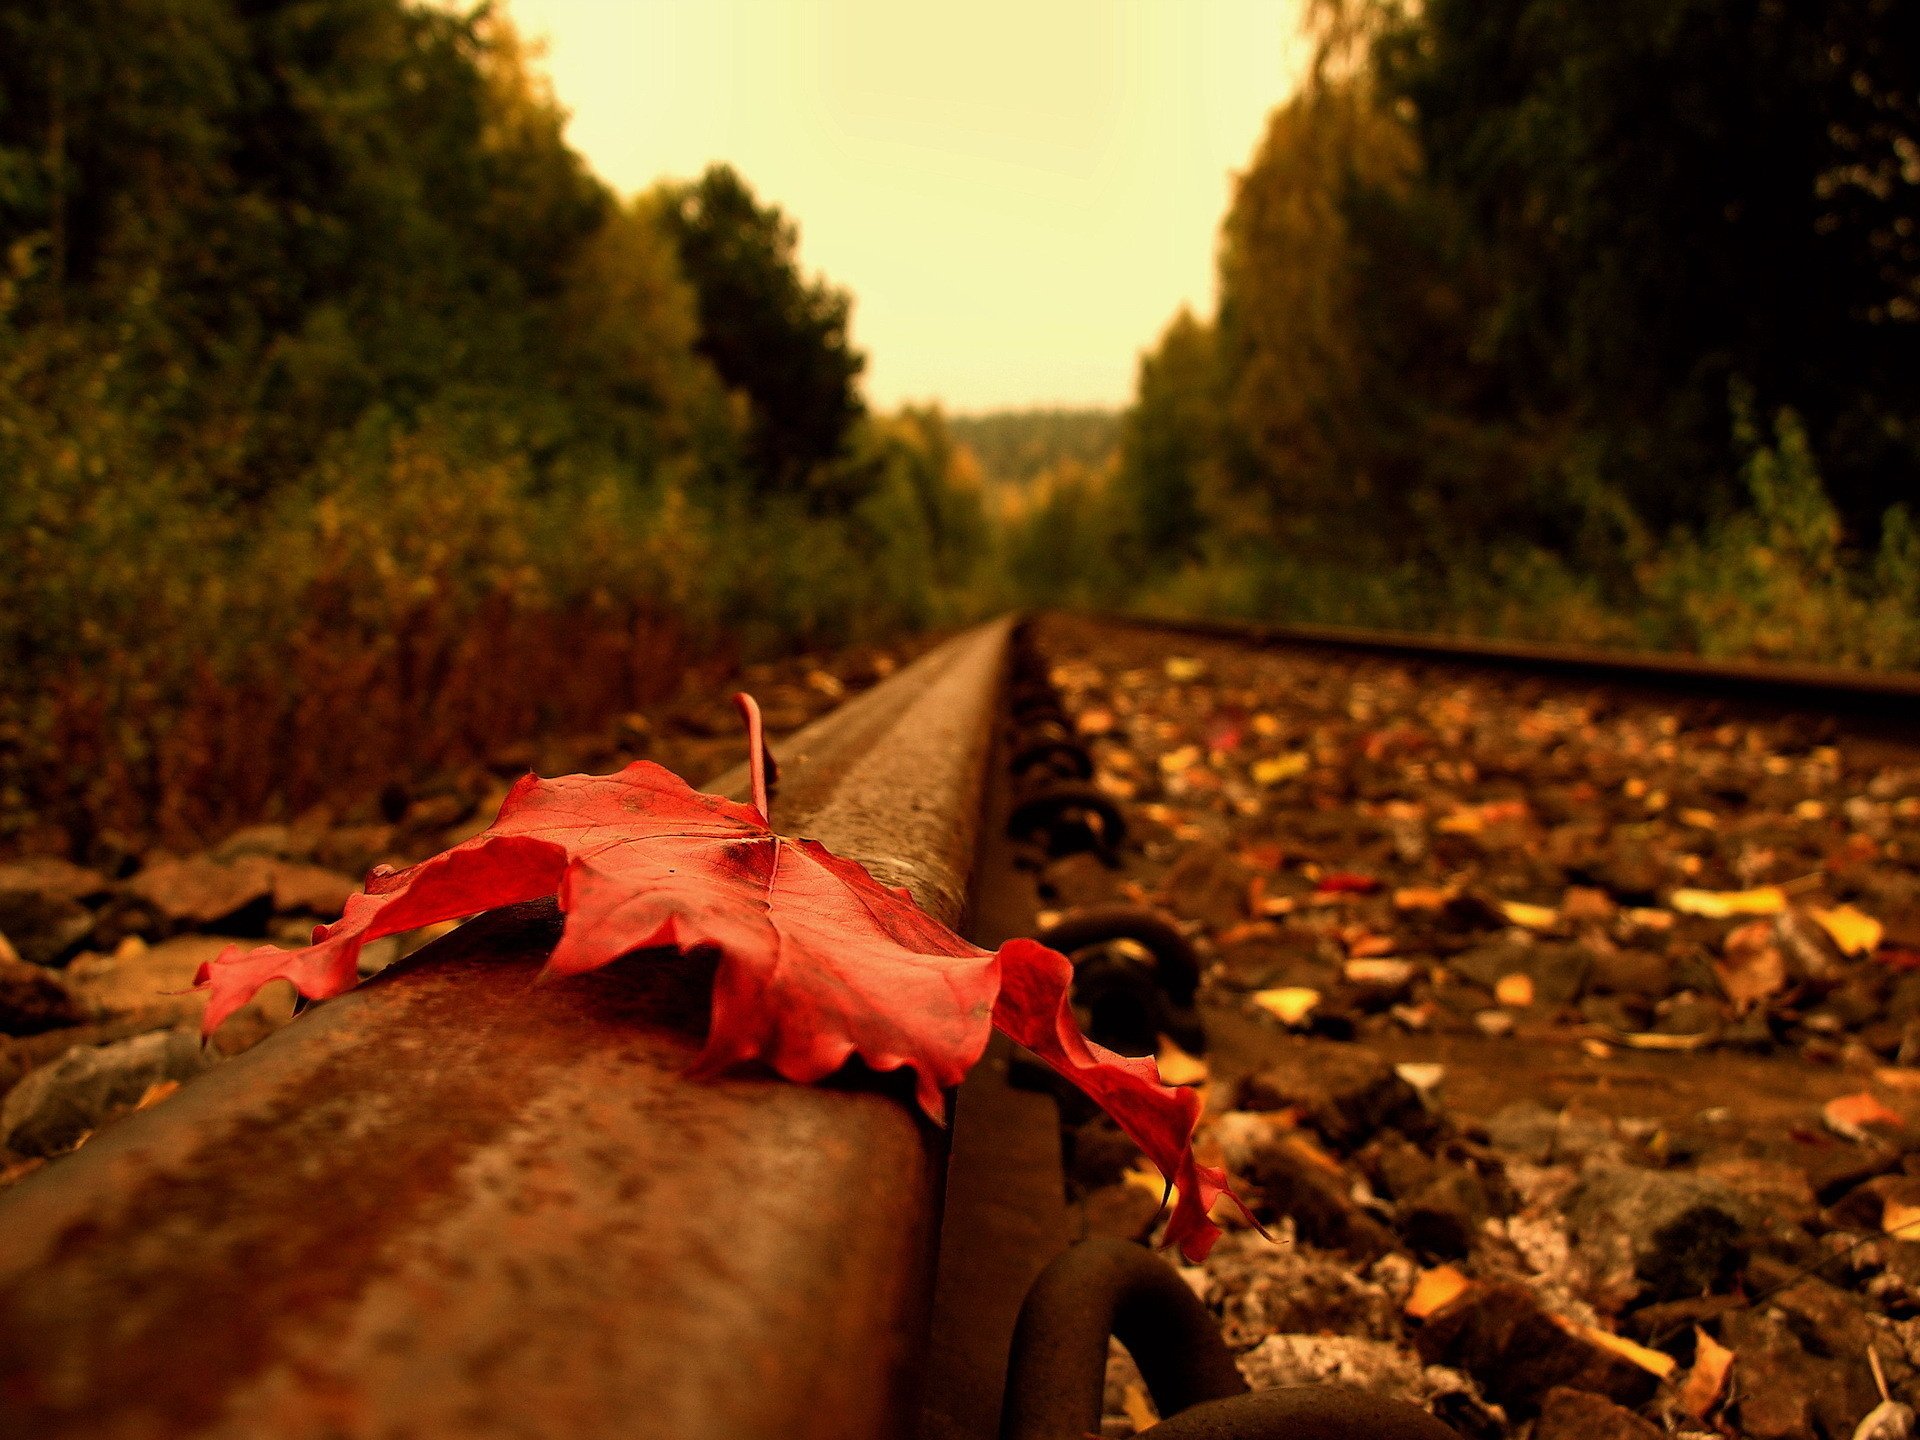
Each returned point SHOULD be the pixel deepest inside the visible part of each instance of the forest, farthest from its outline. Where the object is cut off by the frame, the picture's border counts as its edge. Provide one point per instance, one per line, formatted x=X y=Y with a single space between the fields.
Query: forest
x=349 y=422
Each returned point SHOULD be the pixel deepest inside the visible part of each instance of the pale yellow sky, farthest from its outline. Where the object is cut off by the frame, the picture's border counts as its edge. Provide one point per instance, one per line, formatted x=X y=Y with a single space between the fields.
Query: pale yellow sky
x=1019 y=193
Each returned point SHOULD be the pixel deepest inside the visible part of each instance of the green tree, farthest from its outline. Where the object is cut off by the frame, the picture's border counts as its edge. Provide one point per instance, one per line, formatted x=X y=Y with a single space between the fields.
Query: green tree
x=1171 y=443
x=773 y=335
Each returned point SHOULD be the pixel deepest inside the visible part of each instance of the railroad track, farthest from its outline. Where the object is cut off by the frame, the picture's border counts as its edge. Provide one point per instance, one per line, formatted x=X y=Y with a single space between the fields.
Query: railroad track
x=455 y=1203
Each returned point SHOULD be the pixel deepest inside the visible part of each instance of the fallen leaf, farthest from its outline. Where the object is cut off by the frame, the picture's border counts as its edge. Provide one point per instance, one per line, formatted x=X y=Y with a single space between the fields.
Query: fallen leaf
x=1706 y=1382
x=818 y=961
x=1698 y=819
x=1854 y=931
x=1181 y=669
x=1280 y=768
x=1515 y=991
x=1139 y=1408
x=1725 y=904
x=1435 y=1290
x=156 y=1092
x=1849 y=1115
x=1380 y=970
x=1529 y=917
x=1424 y=897
x=1177 y=1067
x=1343 y=882
x=1289 y=1004
x=1898 y=1218
x=1656 y=1362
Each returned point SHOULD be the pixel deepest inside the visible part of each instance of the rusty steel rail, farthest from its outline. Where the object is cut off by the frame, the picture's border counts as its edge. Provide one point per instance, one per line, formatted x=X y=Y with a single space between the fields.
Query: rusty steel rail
x=1822 y=689
x=455 y=1202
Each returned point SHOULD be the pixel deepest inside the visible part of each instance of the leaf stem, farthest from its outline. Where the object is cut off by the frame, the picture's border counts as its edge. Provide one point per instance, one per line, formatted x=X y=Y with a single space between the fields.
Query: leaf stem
x=756 y=752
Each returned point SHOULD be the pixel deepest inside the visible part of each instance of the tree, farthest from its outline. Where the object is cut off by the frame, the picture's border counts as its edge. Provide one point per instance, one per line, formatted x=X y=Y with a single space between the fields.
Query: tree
x=1171 y=441
x=773 y=335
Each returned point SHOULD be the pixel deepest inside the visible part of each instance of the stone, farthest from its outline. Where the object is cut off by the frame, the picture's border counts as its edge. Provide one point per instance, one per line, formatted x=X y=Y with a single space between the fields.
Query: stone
x=54 y=1106
x=1578 y=1415
x=1075 y=881
x=145 y=979
x=1258 y=1289
x=53 y=879
x=1646 y=974
x=1777 y=1382
x=41 y=909
x=309 y=889
x=203 y=894
x=33 y=999
x=1209 y=885
x=1441 y=1220
x=1295 y=1183
x=1344 y=1094
x=1116 y=1212
x=1380 y=1369
x=1500 y=1335
x=1679 y=1234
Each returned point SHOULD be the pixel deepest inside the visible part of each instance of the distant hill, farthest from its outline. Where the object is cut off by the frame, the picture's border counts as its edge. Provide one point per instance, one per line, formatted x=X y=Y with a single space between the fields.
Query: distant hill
x=1015 y=447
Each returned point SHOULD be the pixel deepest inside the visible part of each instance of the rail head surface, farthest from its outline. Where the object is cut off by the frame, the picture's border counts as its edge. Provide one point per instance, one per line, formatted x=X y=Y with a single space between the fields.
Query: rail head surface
x=455 y=1202
x=1816 y=687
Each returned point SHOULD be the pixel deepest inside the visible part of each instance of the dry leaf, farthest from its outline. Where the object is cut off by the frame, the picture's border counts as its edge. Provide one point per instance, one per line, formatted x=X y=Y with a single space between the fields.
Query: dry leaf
x=1435 y=1290
x=1529 y=917
x=1378 y=970
x=1897 y=1218
x=1178 y=762
x=1706 y=1382
x=1656 y=1362
x=1424 y=897
x=1182 y=668
x=1854 y=931
x=155 y=1093
x=1280 y=768
x=1725 y=904
x=1177 y=1067
x=1653 y=1040
x=1289 y=1004
x=1140 y=1412
x=1850 y=1114
x=1515 y=991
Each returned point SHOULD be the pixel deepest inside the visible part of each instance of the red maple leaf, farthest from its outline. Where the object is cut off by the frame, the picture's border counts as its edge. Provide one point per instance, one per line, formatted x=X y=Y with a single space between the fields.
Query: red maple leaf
x=818 y=961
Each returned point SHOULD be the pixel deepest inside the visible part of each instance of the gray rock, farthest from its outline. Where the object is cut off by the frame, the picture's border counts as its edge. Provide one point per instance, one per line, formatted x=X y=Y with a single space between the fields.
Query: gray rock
x=61 y=1101
x=1681 y=1235
x=45 y=929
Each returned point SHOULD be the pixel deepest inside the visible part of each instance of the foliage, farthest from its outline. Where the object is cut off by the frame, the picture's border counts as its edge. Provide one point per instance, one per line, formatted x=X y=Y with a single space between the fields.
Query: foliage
x=778 y=339
x=350 y=428
x=1013 y=448
x=1485 y=289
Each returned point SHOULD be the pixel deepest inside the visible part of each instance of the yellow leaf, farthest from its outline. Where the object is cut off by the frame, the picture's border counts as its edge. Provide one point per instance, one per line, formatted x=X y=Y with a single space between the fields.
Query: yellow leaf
x=1706 y=1382
x=1854 y=931
x=1177 y=1067
x=1657 y=1362
x=1897 y=1218
x=1699 y=819
x=1850 y=1114
x=1182 y=668
x=1423 y=897
x=1140 y=1412
x=1434 y=1290
x=1514 y=991
x=1530 y=917
x=1280 y=768
x=1654 y=1040
x=1289 y=1004
x=1725 y=904
x=1178 y=762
